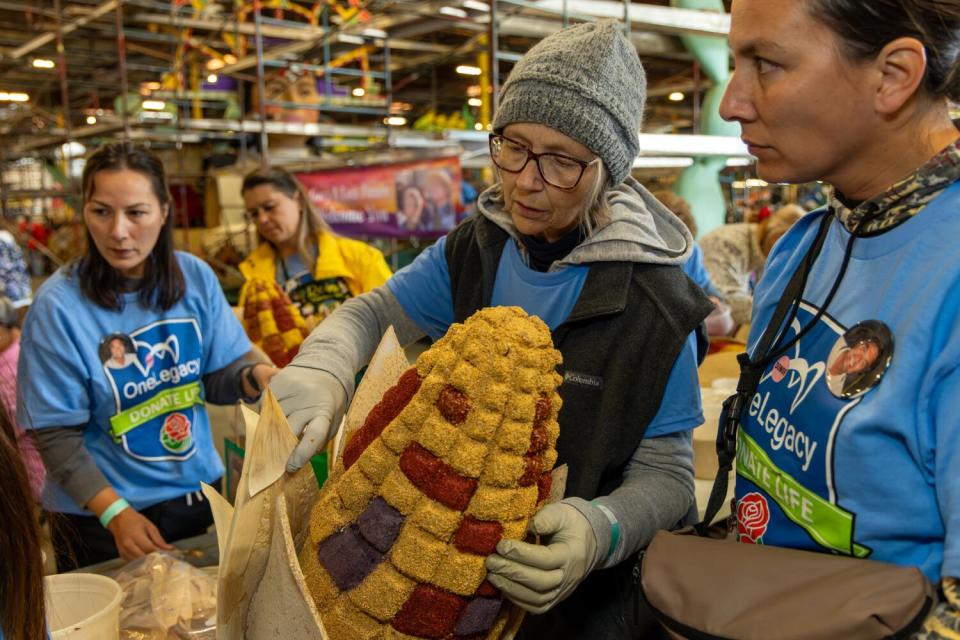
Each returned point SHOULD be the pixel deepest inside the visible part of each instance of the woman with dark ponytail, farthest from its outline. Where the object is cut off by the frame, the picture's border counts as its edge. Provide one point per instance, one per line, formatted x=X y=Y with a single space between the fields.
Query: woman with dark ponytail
x=861 y=364
x=118 y=355
x=21 y=563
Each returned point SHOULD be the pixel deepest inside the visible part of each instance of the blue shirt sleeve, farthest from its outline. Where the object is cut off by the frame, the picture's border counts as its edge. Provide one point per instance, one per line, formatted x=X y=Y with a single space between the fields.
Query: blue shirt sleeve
x=423 y=290
x=52 y=374
x=680 y=408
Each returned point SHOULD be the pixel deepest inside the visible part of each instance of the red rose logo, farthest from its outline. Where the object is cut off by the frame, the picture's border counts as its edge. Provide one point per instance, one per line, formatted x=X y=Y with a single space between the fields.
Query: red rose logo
x=753 y=515
x=175 y=435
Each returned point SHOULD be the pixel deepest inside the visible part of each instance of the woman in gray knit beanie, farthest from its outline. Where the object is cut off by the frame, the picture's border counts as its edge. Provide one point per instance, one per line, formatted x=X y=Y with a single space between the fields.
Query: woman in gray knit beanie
x=570 y=237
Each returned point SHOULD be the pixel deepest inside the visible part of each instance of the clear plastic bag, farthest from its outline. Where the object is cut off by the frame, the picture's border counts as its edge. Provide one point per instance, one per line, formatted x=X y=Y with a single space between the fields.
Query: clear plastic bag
x=167 y=599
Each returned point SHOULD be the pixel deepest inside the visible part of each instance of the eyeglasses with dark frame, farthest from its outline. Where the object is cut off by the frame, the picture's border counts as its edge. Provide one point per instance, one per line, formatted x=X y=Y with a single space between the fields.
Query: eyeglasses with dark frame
x=557 y=170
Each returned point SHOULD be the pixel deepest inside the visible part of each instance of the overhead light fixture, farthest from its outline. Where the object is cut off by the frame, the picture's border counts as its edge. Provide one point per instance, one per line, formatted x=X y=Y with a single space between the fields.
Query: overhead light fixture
x=215 y=63
x=475 y=102
x=755 y=182
x=476 y=6
x=395 y=121
x=154 y=105
x=468 y=70
x=473 y=91
x=42 y=63
x=452 y=12
x=91 y=120
x=478 y=126
x=212 y=78
x=374 y=33
x=676 y=96
x=350 y=39
x=152 y=86
x=13 y=97
x=229 y=58
x=358 y=92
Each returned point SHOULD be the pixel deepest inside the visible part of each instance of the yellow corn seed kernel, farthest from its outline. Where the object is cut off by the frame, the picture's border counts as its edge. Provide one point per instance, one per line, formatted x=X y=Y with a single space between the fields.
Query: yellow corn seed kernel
x=377 y=461
x=416 y=553
x=467 y=455
x=435 y=518
x=503 y=469
x=514 y=436
x=460 y=573
x=383 y=592
x=495 y=503
x=438 y=436
x=355 y=490
x=345 y=620
x=399 y=492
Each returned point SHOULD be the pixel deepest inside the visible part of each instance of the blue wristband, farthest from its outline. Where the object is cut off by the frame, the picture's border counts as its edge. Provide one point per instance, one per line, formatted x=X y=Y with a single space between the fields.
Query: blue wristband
x=111 y=512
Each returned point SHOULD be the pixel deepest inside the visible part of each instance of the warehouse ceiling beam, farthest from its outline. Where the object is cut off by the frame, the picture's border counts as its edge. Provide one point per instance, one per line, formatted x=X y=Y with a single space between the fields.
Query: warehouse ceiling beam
x=304 y=33
x=50 y=36
x=668 y=20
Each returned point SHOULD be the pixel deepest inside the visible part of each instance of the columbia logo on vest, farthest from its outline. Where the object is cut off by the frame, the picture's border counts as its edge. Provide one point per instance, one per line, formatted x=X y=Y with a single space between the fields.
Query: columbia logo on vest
x=583 y=379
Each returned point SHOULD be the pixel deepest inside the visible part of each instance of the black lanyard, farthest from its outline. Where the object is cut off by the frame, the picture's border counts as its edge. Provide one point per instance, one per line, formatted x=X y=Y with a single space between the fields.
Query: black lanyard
x=769 y=348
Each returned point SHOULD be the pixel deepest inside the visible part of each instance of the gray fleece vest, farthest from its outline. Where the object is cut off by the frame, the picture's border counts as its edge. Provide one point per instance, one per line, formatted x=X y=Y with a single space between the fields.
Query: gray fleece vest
x=618 y=345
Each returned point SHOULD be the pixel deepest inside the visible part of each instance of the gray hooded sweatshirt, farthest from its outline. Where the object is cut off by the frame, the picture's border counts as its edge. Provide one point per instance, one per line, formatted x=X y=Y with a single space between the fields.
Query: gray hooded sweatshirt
x=658 y=487
x=639 y=229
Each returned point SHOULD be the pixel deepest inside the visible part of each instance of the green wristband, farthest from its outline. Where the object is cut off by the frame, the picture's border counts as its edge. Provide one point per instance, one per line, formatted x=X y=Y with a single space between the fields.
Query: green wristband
x=614 y=529
x=111 y=512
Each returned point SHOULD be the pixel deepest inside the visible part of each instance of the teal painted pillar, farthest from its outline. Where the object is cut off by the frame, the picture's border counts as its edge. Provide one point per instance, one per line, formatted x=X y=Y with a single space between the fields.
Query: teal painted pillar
x=699 y=184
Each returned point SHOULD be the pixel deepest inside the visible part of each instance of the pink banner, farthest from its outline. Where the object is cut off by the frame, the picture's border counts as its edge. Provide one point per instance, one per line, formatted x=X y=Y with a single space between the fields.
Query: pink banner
x=411 y=199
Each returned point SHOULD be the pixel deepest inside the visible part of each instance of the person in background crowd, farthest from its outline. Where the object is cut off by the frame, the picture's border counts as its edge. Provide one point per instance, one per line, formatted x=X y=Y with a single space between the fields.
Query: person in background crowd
x=14 y=279
x=126 y=448
x=9 y=354
x=22 y=604
x=720 y=321
x=439 y=190
x=318 y=269
x=694 y=266
x=412 y=209
x=734 y=256
x=856 y=93
x=568 y=235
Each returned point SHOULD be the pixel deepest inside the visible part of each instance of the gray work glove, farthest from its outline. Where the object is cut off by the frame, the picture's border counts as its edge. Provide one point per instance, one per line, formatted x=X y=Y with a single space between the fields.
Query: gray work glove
x=538 y=576
x=314 y=402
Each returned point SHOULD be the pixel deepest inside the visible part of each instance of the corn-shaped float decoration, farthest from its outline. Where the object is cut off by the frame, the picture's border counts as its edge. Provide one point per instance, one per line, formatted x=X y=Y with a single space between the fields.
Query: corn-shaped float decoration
x=271 y=320
x=455 y=457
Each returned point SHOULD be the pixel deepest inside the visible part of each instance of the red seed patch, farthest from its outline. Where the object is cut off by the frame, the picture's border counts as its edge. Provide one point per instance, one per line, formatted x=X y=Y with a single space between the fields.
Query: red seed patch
x=453 y=405
x=393 y=402
x=438 y=480
x=543 y=486
x=538 y=440
x=542 y=411
x=533 y=471
x=477 y=536
x=487 y=590
x=429 y=613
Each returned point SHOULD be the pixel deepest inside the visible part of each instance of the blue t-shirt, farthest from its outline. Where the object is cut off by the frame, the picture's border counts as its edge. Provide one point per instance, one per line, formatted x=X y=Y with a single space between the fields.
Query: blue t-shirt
x=423 y=290
x=134 y=378
x=874 y=475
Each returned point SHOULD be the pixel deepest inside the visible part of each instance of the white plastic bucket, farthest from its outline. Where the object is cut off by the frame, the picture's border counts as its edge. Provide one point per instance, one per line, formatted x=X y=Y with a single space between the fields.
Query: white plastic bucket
x=83 y=606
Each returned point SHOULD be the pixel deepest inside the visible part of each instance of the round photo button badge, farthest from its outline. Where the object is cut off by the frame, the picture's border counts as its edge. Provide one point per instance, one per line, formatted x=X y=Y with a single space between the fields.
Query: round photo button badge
x=859 y=358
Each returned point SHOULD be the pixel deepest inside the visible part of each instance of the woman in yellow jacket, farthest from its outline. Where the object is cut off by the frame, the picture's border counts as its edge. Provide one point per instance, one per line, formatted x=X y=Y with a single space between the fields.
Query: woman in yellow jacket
x=318 y=269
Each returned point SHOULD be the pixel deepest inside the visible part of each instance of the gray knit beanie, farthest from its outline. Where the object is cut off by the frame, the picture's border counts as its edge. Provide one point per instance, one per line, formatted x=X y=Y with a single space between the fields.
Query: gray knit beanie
x=586 y=82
